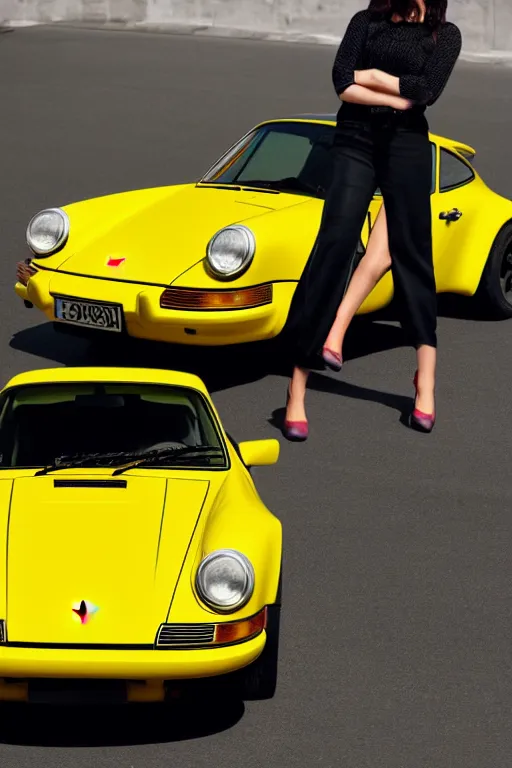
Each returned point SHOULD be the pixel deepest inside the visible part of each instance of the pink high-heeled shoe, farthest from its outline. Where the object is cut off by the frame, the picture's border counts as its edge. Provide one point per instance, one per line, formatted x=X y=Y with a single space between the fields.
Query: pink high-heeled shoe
x=422 y=422
x=332 y=359
x=295 y=430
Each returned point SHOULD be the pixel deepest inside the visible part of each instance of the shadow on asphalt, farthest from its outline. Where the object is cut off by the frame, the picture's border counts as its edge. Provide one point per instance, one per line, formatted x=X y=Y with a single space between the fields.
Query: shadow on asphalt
x=462 y=308
x=222 y=368
x=129 y=725
x=219 y=367
x=321 y=383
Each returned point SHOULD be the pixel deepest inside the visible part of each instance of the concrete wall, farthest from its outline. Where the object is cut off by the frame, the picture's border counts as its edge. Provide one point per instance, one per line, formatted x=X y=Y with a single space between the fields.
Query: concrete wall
x=486 y=24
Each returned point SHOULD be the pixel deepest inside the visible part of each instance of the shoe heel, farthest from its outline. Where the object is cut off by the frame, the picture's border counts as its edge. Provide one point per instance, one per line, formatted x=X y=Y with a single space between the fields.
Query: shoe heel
x=296 y=431
x=419 y=421
x=422 y=422
x=331 y=359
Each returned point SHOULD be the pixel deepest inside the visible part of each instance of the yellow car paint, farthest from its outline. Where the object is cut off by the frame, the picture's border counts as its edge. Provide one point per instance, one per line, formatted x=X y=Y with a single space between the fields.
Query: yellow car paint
x=162 y=235
x=120 y=551
x=127 y=664
x=146 y=320
x=132 y=552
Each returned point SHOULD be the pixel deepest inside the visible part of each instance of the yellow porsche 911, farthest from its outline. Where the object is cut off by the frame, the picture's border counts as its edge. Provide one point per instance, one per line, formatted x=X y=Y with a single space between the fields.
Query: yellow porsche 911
x=136 y=557
x=217 y=262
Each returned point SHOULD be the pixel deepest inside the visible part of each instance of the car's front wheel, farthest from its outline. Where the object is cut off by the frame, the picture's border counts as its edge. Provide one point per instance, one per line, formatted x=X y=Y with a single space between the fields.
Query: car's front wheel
x=256 y=682
x=495 y=288
x=259 y=679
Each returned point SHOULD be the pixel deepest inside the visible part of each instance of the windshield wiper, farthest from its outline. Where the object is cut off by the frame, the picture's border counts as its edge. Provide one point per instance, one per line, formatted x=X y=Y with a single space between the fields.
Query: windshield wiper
x=127 y=459
x=189 y=453
x=238 y=187
x=82 y=459
x=219 y=185
x=290 y=184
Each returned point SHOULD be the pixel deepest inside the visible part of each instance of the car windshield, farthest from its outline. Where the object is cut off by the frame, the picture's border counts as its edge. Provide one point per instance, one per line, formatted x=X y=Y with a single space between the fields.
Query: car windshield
x=290 y=157
x=110 y=425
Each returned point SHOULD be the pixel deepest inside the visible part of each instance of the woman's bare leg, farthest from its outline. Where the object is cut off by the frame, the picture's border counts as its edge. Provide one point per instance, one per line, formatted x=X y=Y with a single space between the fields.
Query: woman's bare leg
x=372 y=267
x=296 y=410
x=427 y=358
x=374 y=264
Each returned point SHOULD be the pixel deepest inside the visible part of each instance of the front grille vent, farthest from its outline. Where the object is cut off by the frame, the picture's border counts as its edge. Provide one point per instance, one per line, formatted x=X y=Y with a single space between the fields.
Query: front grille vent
x=3 y=632
x=185 y=635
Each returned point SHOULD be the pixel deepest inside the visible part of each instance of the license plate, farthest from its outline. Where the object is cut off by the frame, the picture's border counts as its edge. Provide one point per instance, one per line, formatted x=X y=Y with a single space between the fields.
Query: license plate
x=92 y=314
x=77 y=691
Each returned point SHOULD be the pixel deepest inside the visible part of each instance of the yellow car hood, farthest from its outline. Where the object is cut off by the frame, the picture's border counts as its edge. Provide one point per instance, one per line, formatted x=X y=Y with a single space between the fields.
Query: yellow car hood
x=119 y=549
x=166 y=238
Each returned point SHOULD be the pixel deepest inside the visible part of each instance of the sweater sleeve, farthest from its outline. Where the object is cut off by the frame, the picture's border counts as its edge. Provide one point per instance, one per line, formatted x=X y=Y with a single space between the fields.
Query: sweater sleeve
x=426 y=88
x=350 y=51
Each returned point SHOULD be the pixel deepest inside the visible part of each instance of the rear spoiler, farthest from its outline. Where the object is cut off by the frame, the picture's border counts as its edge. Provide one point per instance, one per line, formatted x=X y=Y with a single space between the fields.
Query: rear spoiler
x=464 y=150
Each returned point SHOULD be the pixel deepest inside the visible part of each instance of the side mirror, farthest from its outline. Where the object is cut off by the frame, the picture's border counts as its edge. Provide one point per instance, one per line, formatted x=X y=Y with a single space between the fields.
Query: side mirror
x=259 y=453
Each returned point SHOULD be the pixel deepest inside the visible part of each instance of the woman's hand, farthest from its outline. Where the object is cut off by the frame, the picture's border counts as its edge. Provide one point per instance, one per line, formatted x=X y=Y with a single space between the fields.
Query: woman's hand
x=401 y=104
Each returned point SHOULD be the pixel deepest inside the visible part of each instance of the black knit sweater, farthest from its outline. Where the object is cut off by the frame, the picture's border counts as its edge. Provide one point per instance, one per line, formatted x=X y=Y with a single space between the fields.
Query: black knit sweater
x=422 y=61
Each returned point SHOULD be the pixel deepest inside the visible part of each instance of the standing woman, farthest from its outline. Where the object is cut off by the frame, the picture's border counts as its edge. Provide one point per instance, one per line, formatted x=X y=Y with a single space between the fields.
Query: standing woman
x=394 y=61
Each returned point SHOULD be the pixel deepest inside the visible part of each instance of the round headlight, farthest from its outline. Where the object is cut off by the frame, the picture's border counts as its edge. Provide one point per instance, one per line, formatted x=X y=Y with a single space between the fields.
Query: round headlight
x=225 y=580
x=231 y=250
x=47 y=231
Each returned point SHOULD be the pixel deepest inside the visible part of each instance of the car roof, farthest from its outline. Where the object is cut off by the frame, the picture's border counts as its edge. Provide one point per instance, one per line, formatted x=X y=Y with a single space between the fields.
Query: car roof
x=324 y=117
x=107 y=375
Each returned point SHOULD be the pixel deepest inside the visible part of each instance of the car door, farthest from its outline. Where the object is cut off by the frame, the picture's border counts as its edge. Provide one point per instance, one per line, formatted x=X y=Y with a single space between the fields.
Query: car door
x=453 y=208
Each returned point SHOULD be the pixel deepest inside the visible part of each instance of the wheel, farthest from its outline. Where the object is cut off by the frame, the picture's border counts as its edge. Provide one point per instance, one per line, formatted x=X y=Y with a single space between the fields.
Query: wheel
x=259 y=679
x=256 y=682
x=495 y=288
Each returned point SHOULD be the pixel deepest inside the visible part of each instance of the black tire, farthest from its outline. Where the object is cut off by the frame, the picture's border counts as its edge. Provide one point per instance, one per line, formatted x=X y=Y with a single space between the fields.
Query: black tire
x=259 y=679
x=495 y=289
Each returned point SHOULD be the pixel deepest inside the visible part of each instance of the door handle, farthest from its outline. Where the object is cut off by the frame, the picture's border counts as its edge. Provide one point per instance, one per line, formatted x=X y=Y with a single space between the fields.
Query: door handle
x=453 y=215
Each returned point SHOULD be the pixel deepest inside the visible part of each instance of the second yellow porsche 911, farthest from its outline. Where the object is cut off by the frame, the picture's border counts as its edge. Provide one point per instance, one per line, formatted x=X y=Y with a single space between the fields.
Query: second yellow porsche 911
x=217 y=262
x=136 y=557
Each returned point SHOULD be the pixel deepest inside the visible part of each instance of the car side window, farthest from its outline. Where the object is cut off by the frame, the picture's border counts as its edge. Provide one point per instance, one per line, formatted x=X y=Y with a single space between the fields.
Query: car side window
x=454 y=172
x=433 y=150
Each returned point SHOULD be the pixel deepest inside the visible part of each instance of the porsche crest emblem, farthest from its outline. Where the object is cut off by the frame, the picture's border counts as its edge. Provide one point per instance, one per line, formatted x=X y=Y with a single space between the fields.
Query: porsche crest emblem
x=84 y=611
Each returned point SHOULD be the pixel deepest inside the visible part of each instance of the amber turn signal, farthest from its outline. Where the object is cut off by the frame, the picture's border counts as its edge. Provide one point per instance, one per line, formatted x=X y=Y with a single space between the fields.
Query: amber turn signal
x=24 y=272
x=191 y=299
x=233 y=631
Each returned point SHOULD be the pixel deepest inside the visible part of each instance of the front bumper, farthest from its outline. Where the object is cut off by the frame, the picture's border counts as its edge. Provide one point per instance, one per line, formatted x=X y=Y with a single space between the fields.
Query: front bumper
x=144 y=671
x=145 y=319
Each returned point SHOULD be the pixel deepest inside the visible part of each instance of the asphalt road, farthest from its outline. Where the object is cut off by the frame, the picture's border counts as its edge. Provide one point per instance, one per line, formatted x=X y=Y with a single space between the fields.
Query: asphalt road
x=396 y=637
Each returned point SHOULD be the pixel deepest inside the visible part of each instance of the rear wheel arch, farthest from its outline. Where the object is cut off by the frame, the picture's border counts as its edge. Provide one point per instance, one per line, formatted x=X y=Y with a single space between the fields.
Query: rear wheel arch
x=496 y=278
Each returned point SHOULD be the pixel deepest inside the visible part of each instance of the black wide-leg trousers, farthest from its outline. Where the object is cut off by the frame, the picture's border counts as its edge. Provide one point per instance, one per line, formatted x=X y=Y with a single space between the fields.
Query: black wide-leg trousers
x=394 y=154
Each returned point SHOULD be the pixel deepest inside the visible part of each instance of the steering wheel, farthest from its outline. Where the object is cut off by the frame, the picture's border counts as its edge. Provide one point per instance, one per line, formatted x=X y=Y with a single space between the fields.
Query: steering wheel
x=166 y=445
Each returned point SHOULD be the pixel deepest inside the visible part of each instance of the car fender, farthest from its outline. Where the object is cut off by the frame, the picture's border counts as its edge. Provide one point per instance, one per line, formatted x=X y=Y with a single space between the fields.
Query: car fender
x=236 y=519
x=89 y=219
x=468 y=261
x=284 y=239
